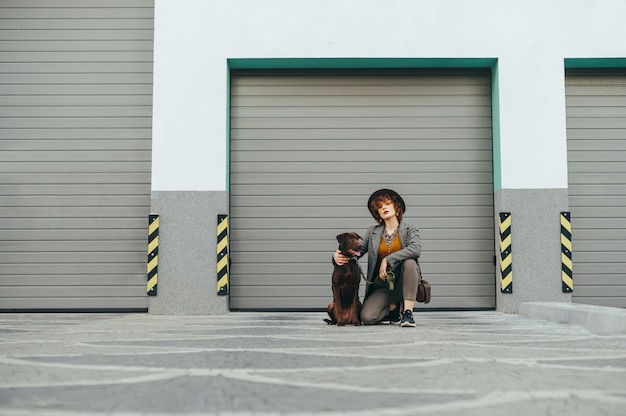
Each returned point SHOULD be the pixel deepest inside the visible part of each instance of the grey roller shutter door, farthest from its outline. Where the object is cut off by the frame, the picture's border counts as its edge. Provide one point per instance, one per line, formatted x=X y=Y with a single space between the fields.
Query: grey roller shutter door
x=307 y=149
x=596 y=151
x=75 y=139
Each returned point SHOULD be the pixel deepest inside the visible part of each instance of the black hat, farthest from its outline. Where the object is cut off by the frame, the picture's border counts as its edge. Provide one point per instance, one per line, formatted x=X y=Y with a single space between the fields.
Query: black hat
x=389 y=192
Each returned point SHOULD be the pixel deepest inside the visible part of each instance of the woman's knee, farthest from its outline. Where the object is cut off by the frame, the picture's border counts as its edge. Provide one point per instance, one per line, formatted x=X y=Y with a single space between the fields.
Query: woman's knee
x=375 y=307
x=368 y=321
x=409 y=267
x=373 y=312
x=369 y=317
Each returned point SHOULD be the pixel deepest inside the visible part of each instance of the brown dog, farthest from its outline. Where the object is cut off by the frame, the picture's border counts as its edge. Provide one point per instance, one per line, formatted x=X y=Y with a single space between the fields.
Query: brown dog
x=346 y=306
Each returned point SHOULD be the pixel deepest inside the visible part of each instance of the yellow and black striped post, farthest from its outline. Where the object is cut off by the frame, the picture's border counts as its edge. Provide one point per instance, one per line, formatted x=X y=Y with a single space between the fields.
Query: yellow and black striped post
x=506 y=256
x=153 y=253
x=222 y=254
x=567 y=280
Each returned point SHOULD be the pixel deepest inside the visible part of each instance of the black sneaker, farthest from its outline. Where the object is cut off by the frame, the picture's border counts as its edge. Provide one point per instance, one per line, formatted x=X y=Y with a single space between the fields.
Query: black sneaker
x=407 y=319
x=394 y=315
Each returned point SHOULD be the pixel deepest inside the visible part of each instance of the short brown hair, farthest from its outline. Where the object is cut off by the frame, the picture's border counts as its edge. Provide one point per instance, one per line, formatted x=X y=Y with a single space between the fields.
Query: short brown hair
x=379 y=199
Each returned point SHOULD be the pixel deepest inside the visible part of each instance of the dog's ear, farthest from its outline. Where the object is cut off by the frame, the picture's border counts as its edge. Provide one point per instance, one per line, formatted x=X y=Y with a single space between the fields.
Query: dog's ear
x=341 y=237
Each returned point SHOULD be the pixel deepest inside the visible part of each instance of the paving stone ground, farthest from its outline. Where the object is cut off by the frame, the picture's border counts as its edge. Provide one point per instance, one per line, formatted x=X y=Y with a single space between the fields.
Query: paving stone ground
x=453 y=363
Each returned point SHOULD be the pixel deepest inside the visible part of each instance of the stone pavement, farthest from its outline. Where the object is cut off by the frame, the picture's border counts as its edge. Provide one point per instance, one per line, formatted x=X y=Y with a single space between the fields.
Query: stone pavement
x=469 y=363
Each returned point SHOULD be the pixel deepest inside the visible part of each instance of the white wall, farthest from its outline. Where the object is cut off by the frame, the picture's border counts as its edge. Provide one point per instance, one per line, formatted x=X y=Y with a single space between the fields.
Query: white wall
x=530 y=39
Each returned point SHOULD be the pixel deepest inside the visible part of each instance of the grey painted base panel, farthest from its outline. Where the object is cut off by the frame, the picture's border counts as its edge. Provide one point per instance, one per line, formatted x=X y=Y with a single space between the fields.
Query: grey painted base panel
x=187 y=265
x=536 y=246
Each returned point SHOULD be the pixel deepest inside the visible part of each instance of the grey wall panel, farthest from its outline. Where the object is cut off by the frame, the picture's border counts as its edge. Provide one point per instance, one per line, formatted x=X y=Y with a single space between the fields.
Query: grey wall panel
x=75 y=135
x=596 y=142
x=307 y=149
x=187 y=252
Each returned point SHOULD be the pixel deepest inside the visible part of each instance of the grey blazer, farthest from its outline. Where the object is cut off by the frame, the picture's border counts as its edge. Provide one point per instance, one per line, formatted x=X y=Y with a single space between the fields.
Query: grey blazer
x=411 y=247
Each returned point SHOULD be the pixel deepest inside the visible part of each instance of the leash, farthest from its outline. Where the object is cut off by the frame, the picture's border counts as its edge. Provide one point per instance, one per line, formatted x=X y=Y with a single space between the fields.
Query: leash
x=391 y=277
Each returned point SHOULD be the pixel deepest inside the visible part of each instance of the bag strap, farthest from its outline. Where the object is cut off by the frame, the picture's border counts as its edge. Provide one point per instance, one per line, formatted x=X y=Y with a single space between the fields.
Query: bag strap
x=419 y=269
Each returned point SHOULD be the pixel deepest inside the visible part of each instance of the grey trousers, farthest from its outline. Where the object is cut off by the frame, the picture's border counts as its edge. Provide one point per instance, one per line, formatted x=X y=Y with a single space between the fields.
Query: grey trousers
x=376 y=305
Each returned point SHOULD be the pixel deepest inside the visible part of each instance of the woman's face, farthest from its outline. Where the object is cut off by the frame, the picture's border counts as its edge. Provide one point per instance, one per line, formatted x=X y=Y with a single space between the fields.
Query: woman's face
x=386 y=209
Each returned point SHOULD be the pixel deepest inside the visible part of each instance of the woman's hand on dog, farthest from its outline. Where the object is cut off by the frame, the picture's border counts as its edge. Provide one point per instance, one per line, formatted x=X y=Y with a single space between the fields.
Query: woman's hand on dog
x=339 y=258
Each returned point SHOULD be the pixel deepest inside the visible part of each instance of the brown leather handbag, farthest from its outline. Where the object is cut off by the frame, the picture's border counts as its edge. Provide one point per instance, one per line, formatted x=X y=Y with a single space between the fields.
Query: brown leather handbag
x=423 y=287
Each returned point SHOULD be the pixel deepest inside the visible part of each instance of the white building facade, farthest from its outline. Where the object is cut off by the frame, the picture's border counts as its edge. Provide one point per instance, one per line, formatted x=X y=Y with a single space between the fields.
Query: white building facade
x=285 y=116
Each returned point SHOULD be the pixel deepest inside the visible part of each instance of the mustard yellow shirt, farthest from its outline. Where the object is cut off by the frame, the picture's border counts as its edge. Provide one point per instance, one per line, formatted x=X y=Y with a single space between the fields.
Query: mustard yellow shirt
x=383 y=252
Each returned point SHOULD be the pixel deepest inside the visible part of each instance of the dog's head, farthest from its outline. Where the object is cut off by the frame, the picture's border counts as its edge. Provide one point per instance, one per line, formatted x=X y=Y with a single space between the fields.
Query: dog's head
x=349 y=244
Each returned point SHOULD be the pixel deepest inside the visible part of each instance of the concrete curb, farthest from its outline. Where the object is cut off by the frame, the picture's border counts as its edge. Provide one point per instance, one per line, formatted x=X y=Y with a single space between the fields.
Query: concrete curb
x=600 y=320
